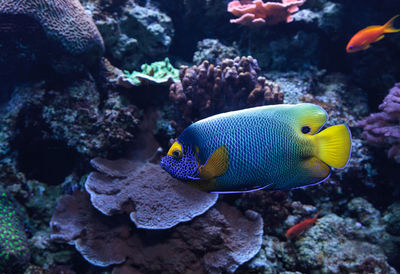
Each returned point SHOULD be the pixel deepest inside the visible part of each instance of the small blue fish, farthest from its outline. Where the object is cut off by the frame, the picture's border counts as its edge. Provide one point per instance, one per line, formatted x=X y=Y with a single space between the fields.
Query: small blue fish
x=273 y=147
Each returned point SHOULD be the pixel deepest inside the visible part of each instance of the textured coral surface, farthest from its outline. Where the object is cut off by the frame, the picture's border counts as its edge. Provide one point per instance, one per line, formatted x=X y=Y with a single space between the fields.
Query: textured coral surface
x=258 y=13
x=14 y=250
x=218 y=241
x=153 y=199
x=208 y=89
x=384 y=127
x=64 y=21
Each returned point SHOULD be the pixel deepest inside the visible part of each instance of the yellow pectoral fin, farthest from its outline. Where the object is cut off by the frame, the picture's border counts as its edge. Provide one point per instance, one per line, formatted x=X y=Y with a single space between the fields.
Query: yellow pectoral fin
x=216 y=165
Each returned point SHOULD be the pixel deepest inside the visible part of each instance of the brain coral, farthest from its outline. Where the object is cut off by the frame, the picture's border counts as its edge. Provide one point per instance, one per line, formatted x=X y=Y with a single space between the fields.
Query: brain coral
x=64 y=21
x=216 y=242
x=13 y=241
x=151 y=196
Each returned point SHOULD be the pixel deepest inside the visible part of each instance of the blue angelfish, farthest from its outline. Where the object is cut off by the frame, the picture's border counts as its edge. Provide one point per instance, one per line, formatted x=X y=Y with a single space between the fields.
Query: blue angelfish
x=272 y=147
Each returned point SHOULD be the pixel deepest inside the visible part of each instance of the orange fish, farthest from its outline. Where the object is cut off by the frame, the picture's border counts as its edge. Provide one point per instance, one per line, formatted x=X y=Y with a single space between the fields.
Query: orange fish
x=295 y=230
x=362 y=39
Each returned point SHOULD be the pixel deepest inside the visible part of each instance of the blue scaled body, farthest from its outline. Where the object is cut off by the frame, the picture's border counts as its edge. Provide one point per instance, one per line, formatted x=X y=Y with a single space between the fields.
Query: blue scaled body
x=270 y=146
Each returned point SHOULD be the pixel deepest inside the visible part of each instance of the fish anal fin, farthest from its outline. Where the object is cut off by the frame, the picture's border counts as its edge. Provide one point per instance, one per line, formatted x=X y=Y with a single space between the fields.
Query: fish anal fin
x=216 y=165
x=309 y=172
x=315 y=168
x=367 y=47
x=380 y=38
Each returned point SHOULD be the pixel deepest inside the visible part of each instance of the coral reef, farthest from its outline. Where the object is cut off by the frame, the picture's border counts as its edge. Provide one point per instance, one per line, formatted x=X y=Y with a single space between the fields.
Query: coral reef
x=135 y=34
x=62 y=30
x=258 y=13
x=64 y=21
x=213 y=51
x=383 y=128
x=209 y=89
x=274 y=206
x=14 y=250
x=72 y=116
x=328 y=15
x=157 y=73
x=152 y=198
x=392 y=219
x=343 y=250
x=218 y=241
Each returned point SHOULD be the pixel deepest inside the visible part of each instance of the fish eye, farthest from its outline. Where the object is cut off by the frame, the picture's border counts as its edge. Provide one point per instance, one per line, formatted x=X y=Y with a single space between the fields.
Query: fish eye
x=351 y=47
x=177 y=154
x=305 y=129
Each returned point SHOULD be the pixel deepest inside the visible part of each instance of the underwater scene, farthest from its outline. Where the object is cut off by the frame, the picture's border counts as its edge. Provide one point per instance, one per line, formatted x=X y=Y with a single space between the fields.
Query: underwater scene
x=199 y=136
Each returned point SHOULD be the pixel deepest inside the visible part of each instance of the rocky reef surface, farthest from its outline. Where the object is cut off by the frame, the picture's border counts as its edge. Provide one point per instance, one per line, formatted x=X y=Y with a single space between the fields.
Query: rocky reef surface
x=90 y=103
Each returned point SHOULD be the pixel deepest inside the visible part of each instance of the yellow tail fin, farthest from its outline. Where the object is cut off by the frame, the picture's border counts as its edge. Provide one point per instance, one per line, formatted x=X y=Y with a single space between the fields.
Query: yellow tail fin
x=333 y=145
x=388 y=27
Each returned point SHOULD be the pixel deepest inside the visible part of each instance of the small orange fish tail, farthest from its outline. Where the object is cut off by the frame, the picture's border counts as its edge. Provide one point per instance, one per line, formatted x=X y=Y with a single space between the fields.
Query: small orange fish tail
x=388 y=27
x=316 y=216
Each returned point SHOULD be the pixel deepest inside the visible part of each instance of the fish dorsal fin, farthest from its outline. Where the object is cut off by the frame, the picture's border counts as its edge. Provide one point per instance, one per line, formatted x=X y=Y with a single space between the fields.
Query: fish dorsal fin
x=216 y=165
x=309 y=115
x=373 y=27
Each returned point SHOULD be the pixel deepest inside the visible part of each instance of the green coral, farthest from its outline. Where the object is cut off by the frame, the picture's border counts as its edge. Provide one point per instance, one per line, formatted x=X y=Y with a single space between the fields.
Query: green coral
x=13 y=241
x=158 y=73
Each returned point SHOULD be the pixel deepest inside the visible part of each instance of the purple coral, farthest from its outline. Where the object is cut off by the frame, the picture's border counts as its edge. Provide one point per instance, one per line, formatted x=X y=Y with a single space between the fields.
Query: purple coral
x=216 y=242
x=384 y=127
x=208 y=89
x=152 y=198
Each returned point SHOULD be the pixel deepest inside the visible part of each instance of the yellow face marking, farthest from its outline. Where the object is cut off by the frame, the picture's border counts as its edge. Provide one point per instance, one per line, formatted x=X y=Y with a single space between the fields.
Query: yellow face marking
x=175 y=151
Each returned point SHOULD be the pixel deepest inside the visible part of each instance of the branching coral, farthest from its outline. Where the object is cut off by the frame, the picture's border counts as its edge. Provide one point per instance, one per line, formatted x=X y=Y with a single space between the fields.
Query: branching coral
x=209 y=89
x=218 y=241
x=14 y=249
x=258 y=13
x=64 y=21
x=153 y=199
x=384 y=127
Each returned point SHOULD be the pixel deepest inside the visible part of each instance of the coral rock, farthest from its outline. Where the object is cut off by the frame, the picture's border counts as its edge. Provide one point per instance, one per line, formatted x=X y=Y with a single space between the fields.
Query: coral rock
x=258 y=13
x=383 y=128
x=213 y=51
x=151 y=196
x=64 y=21
x=218 y=241
x=332 y=245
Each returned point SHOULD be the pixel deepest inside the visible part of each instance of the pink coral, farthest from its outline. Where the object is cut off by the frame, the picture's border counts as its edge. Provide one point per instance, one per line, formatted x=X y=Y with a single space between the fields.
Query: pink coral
x=258 y=13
